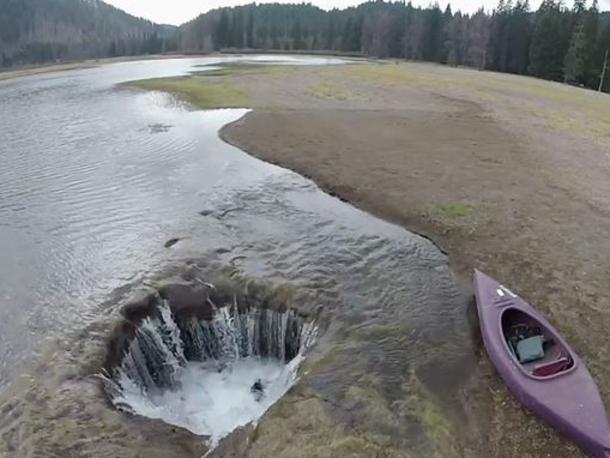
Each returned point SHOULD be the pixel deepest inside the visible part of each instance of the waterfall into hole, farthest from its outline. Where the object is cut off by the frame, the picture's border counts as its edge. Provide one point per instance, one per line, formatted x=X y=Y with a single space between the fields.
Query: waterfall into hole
x=210 y=376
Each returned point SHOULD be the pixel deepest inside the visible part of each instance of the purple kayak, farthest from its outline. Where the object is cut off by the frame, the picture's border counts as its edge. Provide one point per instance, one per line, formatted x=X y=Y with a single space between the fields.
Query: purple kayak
x=540 y=368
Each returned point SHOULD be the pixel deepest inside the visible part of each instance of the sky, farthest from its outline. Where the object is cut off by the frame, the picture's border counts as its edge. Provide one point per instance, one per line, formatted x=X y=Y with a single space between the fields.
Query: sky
x=179 y=11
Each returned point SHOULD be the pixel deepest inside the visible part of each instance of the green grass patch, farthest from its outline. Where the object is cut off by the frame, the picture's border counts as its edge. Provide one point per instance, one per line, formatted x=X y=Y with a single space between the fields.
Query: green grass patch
x=453 y=213
x=199 y=91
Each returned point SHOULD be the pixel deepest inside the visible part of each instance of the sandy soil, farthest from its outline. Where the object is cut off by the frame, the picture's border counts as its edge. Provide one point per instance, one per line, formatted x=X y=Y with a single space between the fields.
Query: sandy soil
x=507 y=174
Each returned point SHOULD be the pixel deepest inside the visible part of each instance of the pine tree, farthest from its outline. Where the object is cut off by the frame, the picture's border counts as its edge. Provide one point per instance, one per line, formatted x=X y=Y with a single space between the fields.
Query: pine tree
x=237 y=29
x=591 y=34
x=574 y=64
x=456 y=39
x=519 y=38
x=432 y=32
x=574 y=68
x=444 y=46
x=548 y=46
x=413 y=32
x=602 y=47
x=477 y=40
x=221 y=38
x=250 y=31
x=297 y=36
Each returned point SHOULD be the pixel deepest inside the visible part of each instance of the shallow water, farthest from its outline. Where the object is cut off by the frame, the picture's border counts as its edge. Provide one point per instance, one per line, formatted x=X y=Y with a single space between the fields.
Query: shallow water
x=94 y=179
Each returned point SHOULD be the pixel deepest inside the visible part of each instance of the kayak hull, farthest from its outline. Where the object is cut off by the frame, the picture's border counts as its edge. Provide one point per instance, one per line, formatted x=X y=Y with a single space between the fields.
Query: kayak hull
x=568 y=400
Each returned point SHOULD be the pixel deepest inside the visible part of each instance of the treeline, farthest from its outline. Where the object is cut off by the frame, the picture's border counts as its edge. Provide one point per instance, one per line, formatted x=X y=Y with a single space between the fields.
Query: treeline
x=554 y=42
x=38 y=31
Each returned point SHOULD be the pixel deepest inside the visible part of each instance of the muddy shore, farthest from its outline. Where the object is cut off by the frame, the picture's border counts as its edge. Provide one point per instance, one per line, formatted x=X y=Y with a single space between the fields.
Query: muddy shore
x=506 y=174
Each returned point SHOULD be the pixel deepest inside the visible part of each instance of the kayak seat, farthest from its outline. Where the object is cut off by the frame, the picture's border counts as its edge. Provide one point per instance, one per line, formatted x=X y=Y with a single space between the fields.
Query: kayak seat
x=552 y=367
x=530 y=349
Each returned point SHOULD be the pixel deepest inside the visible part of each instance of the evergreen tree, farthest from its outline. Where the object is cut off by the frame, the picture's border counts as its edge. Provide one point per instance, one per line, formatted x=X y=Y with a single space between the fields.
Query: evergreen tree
x=444 y=46
x=591 y=34
x=548 y=46
x=413 y=32
x=297 y=36
x=237 y=29
x=477 y=38
x=574 y=68
x=519 y=38
x=602 y=47
x=250 y=31
x=431 y=43
x=456 y=39
x=222 y=34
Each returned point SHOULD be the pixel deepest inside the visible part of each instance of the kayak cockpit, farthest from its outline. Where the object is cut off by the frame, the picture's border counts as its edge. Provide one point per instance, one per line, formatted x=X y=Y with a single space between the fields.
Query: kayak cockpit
x=537 y=350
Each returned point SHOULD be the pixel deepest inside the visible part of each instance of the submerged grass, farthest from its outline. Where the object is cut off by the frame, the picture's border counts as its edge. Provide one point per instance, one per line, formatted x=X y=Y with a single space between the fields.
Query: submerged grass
x=421 y=406
x=199 y=91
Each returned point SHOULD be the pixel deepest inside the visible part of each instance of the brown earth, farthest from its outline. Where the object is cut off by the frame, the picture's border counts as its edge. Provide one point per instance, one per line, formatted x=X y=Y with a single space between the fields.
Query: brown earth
x=508 y=174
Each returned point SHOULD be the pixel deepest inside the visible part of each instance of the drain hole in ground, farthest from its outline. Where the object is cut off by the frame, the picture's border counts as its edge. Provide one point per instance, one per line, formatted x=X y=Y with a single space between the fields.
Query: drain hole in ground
x=203 y=359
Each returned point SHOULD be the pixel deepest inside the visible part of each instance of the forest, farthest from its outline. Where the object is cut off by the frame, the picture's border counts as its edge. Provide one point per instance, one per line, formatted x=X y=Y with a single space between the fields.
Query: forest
x=554 y=42
x=41 y=31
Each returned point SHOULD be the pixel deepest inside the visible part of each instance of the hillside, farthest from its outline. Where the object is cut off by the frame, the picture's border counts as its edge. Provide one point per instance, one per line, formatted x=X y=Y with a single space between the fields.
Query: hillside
x=37 y=31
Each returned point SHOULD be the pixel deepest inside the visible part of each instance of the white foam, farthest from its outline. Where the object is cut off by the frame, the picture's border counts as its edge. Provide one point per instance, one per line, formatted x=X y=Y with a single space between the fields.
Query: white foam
x=214 y=402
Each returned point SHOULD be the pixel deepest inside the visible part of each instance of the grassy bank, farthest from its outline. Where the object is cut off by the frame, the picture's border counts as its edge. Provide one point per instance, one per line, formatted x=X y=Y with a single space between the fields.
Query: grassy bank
x=218 y=88
x=198 y=91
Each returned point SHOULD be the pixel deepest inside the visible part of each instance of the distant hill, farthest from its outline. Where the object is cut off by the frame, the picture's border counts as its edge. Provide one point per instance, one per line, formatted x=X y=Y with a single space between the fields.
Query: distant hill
x=37 y=31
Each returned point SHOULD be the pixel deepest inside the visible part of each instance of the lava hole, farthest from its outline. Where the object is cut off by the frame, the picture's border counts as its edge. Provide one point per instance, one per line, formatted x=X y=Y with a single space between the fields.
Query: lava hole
x=203 y=359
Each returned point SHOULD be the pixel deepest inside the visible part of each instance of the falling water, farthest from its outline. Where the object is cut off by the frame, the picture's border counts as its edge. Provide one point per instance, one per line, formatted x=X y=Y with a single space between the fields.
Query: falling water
x=199 y=374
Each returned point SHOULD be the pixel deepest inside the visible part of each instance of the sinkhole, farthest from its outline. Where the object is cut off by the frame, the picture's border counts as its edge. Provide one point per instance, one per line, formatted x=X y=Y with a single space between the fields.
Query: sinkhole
x=208 y=359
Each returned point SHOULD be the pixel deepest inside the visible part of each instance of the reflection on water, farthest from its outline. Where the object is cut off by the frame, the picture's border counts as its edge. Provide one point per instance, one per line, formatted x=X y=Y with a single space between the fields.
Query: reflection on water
x=94 y=181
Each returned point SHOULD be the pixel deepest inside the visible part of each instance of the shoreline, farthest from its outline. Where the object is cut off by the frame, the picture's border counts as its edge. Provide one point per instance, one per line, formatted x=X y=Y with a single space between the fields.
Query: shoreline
x=40 y=69
x=227 y=135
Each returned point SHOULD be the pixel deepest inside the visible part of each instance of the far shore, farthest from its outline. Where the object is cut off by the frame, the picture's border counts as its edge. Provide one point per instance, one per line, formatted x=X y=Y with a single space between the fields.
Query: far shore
x=28 y=70
x=36 y=69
